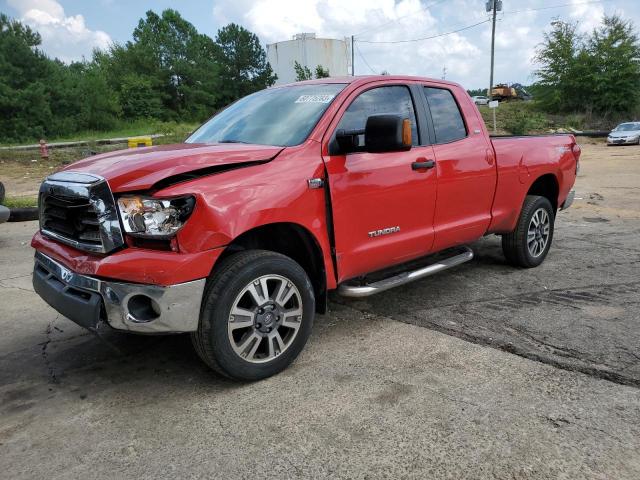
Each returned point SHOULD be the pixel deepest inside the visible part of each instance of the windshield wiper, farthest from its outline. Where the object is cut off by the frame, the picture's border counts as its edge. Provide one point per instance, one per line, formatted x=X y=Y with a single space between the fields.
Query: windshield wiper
x=229 y=140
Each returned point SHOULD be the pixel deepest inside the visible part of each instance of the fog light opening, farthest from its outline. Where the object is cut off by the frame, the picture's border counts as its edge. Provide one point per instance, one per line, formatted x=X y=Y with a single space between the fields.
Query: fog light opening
x=143 y=309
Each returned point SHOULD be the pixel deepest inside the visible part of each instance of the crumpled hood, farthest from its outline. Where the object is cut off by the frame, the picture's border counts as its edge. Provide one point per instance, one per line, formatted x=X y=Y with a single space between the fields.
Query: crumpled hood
x=625 y=134
x=141 y=168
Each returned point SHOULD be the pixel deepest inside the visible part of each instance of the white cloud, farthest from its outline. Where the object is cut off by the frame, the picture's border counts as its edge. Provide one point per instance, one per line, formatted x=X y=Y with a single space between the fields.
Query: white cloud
x=64 y=37
x=373 y=20
x=588 y=15
x=465 y=54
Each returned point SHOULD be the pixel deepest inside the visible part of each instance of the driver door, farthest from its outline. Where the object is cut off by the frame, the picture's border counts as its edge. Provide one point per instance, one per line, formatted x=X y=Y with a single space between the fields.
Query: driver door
x=383 y=206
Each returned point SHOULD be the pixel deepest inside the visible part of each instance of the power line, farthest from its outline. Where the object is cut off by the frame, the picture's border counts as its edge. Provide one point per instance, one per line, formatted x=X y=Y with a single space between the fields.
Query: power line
x=475 y=24
x=428 y=38
x=427 y=7
x=553 y=6
x=364 y=60
x=451 y=32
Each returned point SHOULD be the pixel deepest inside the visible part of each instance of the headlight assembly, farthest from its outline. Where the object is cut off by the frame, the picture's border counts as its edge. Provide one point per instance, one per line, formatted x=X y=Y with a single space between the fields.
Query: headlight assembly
x=154 y=217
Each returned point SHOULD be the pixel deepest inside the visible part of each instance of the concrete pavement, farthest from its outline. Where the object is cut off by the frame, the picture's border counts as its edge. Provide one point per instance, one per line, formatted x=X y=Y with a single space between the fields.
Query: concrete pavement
x=506 y=380
x=369 y=398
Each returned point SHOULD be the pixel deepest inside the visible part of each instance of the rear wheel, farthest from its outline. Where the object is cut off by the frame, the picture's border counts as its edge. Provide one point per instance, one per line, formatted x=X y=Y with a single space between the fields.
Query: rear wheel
x=528 y=245
x=256 y=316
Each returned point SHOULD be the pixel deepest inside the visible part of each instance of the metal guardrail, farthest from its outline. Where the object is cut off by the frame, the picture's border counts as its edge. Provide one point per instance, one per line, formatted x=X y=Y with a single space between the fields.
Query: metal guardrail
x=593 y=133
x=80 y=143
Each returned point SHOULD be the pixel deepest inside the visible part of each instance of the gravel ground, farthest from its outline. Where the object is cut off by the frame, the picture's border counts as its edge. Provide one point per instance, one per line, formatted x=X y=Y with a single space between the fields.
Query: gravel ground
x=507 y=380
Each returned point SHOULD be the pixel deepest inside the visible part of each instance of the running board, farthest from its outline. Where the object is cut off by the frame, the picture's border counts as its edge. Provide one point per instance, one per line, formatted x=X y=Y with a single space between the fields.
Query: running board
x=350 y=290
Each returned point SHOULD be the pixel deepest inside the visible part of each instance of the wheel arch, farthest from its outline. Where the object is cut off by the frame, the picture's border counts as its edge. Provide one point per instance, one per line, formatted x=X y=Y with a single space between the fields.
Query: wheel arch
x=290 y=239
x=547 y=186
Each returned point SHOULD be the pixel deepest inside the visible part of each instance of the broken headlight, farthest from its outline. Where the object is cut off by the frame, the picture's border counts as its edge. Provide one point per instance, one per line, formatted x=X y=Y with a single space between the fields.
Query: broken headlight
x=154 y=217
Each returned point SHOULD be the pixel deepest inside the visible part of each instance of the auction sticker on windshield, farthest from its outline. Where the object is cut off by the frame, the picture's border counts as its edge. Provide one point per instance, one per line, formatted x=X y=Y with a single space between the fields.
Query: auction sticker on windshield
x=314 y=98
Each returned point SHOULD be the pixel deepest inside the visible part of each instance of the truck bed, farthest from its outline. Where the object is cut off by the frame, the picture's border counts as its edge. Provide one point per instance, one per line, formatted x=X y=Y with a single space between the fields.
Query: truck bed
x=520 y=160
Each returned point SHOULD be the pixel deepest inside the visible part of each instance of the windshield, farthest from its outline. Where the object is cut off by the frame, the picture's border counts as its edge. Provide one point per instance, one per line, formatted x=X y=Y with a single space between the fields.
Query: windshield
x=276 y=116
x=627 y=127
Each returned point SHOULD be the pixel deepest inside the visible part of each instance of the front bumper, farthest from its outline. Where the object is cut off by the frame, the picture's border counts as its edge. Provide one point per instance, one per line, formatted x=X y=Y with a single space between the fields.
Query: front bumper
x=134 y=307
x=622 y=141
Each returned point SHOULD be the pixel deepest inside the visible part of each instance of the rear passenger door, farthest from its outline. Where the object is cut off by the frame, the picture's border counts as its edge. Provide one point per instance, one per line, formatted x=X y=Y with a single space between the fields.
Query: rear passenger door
x=465 y=167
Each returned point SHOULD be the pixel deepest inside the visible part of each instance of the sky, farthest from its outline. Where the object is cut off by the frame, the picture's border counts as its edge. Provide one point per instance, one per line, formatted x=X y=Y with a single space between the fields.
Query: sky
x=71 y=29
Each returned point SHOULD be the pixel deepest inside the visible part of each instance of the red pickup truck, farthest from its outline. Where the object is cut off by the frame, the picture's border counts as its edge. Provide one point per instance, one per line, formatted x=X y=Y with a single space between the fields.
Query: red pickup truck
x=357 y=184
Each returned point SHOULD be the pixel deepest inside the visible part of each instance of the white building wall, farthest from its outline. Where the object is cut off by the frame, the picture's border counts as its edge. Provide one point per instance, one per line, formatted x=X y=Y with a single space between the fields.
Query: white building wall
x=309 y=51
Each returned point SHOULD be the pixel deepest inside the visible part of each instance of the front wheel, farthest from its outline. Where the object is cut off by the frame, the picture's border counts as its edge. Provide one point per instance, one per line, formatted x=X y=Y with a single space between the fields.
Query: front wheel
x=528 y=245
x=256 y=316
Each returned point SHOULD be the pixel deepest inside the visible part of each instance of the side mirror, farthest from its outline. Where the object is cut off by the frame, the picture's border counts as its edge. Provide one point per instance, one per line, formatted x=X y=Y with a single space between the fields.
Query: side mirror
x=387 y=133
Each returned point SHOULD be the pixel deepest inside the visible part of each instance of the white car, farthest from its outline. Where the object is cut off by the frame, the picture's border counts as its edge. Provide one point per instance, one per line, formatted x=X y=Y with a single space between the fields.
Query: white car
x=480 y=100
x=625 y=134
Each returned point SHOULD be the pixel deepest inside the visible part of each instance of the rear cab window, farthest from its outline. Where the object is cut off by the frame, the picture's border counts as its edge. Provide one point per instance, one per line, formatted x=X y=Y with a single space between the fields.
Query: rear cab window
x=448 y=122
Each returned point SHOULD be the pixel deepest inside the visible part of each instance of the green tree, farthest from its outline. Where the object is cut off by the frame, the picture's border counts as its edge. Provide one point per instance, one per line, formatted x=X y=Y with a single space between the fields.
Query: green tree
x=614 y=66
x=243 y=63
x=138 y=98
x=180 y=62
x=98 y=103
x=557 y=56
x=24 y=92
x=322 y=72
x=302 y=73
x=598 y=73
x=477 y=92
x=168 y=71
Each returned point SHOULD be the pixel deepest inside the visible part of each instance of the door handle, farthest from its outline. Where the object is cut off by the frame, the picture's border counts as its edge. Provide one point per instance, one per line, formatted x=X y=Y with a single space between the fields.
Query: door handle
x=423 y=165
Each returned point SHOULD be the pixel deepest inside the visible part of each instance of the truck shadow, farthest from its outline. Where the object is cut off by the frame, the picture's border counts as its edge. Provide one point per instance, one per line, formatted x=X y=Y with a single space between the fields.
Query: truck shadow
x=71 y=359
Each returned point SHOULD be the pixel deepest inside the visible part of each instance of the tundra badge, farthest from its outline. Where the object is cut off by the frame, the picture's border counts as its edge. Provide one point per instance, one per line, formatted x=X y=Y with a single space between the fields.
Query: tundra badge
x=384 y=231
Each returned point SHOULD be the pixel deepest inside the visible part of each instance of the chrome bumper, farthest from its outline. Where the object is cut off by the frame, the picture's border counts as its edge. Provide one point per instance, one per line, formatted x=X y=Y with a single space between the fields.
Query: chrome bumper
x=133 y=307
x=622 y=141
x=569 y=200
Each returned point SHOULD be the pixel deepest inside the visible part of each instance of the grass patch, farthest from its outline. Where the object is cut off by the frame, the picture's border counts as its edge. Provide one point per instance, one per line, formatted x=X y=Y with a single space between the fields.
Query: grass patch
x=517 y=118
x=135 y=128
x=173 y=133
x=526 y=118
x=21 y=202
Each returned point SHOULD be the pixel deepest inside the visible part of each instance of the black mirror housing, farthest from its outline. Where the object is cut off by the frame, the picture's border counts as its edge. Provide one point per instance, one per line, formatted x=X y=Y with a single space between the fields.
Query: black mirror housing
x=387 y=133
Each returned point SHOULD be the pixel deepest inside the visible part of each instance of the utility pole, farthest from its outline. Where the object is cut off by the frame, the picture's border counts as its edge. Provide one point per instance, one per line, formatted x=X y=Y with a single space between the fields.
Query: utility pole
x=444 y=72
x=493 y=6
x=352 y=57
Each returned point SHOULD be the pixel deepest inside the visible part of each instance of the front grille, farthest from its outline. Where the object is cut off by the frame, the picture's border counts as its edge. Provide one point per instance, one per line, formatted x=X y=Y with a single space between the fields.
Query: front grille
x=78 y=209
x=72 y=218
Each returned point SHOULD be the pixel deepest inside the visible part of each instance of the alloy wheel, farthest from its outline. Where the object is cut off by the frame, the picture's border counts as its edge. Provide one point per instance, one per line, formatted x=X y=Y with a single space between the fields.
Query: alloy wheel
x=265 y=318
x=538 y=232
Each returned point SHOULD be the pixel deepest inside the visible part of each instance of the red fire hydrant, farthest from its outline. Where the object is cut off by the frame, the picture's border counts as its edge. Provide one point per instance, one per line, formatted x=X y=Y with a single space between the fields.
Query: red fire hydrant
x=44 y=150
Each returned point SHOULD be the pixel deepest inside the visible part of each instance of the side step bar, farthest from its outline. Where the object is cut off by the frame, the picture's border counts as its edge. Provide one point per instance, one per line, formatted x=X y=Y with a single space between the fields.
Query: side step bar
x=350 y=290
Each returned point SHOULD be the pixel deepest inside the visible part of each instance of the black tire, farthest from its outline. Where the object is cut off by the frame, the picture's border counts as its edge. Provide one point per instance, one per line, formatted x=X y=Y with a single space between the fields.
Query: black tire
x=212 y=340
x=515 y=245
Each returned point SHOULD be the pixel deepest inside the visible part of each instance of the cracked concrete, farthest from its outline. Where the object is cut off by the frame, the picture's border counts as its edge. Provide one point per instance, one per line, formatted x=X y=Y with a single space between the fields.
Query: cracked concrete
x=374 y=395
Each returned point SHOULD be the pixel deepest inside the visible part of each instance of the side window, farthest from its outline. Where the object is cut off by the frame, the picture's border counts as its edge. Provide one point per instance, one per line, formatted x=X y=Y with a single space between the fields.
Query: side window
x=447 y=119
x=393 y=100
